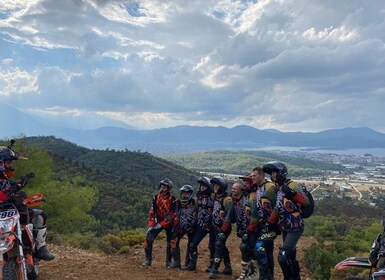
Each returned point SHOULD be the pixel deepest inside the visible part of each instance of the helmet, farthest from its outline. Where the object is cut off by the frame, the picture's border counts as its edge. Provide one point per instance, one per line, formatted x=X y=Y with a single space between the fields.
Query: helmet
x=206 y=181
x=188 y=189
x=166 y=182
x=278 y=167
x=7 y=153
x=219 y=181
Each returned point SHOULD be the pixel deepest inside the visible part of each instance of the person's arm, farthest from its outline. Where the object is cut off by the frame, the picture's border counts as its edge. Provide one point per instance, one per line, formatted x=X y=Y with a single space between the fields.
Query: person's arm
x=228 y=207
x=254 y=217
x=170 y=216
x=151 y=214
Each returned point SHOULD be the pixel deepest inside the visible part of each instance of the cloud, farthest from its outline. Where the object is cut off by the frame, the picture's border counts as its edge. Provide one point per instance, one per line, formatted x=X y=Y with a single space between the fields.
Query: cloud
x=291 y=65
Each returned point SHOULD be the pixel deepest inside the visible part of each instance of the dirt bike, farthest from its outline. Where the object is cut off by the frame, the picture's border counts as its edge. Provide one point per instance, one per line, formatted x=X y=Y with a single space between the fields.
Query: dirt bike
x=363 y=262
x=17 y=242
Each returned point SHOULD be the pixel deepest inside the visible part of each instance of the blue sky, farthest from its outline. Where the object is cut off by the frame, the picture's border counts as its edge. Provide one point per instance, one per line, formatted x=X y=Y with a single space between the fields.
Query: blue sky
x=290 y=65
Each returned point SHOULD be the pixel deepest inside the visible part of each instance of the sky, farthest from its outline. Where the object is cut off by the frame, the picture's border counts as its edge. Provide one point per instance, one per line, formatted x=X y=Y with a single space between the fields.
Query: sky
x=292 y=65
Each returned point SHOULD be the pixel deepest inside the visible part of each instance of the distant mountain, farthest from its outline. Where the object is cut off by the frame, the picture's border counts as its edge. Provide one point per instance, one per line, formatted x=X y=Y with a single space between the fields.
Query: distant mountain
x=182 y=139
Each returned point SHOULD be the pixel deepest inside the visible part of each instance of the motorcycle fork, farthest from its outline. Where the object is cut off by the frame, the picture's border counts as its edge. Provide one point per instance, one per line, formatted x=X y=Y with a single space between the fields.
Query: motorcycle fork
x=21 y=259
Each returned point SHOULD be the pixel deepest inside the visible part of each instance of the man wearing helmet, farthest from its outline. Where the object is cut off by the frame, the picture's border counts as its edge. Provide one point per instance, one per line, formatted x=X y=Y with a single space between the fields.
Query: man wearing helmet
x=37 y=216
x=161 y=216
x=287 y=213
x=221 y=221
x=184 y=223
x=265 y=201
x=239 y=196
x=204 y=203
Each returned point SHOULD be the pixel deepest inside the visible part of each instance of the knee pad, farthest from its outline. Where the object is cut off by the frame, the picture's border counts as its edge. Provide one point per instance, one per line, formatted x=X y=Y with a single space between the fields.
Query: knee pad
x=260 y=253
x=244 y=247
x=287 y=261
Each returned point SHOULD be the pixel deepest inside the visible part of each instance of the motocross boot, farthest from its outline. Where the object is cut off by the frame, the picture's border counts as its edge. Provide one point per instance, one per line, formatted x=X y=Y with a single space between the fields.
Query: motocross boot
x=208 y=269
x=148 y=259
x=193 y=261
x=214 y=269
x=42 y=250
x=254 y=271
x=186 y=260
x=175 y=252
x=168 y=257
x=245 y=270
x=226 y=260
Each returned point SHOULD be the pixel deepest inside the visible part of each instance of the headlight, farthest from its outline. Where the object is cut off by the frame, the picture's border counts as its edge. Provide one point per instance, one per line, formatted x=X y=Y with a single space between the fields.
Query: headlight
x=6 y=226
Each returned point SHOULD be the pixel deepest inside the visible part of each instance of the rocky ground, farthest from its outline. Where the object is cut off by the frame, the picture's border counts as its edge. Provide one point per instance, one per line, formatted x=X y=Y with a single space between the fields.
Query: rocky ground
x=72 y=263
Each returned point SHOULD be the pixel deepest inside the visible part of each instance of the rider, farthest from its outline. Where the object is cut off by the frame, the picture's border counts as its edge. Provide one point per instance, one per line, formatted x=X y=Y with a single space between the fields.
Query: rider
x=377 y=252
x=37 y=216
x=204 y=202
x=221 y=221
x=240 y=200
x=287 y=213
x=161 y=216
x=184 y=223
x=264 y=246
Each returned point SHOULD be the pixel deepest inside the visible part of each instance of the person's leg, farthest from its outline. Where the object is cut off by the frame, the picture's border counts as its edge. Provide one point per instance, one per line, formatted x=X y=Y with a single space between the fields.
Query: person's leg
x=39 y=223
x=151 y=234
x=246 y=259
x=175 y=250
x=196 y=239
x=287 y=256
x=212 y=237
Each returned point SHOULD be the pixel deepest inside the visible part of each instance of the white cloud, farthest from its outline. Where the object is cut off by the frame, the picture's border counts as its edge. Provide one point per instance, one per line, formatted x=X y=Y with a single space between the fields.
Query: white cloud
x=289 y=65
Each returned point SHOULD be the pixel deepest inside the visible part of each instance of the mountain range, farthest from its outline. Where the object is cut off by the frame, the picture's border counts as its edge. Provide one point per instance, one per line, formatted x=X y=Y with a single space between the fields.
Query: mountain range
x=181 y=139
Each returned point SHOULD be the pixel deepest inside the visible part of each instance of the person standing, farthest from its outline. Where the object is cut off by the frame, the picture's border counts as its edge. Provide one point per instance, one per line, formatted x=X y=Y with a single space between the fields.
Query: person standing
x=240 y=199
x=287 y=213
x=221 y=221
x=184 y=223
x=204 y=201
x=266 y=197
x=161 y=217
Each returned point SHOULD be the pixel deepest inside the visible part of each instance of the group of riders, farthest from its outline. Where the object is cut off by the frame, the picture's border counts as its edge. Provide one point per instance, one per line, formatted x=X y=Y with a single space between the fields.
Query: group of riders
x=261 y=210
x=11 y=191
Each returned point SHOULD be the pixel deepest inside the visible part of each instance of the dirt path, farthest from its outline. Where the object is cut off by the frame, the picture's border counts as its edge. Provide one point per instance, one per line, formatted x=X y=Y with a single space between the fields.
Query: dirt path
x=73 y=263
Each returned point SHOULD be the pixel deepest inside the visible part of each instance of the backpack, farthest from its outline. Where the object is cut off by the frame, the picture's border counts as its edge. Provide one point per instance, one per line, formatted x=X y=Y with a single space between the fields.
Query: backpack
x=308 y=210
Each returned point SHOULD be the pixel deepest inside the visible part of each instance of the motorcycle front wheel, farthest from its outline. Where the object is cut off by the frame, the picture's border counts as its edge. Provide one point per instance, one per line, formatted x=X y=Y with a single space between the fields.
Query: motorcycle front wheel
x=10 y=270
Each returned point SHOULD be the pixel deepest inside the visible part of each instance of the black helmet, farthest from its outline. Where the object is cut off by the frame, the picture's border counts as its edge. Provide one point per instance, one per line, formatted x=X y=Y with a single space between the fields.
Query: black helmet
x=206 y=181
x=7 y=153
x=166 y=182
x=219 y=181
x=188 y=189
x=278 y=167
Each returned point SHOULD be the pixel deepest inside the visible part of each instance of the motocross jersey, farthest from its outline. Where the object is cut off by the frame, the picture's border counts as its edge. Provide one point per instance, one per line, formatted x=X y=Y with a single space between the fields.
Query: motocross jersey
x=241 y=214
x=186 y=216
x=222 y=213
x=162 y=211
x=266 y=200
x=205 y=205
x=287 y=211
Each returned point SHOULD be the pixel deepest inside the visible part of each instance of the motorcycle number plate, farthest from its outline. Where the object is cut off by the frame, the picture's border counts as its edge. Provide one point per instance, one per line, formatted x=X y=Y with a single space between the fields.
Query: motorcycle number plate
x=7 y=214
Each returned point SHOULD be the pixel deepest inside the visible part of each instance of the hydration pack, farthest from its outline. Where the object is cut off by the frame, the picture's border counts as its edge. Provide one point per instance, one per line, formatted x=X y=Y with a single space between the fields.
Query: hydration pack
x=307 y=210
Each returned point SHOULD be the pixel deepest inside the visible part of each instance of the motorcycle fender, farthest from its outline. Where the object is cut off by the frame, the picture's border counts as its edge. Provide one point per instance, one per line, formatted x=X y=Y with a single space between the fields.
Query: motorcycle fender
x=13 y=253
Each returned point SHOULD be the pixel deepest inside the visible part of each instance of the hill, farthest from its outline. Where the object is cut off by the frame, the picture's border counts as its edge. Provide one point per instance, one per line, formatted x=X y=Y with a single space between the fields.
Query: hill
x=124 y=181
x=242 y=162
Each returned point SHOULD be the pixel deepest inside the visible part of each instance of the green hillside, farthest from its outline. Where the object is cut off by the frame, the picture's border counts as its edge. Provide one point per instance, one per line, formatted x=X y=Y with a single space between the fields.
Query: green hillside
x=242 y=162
x=118 y=185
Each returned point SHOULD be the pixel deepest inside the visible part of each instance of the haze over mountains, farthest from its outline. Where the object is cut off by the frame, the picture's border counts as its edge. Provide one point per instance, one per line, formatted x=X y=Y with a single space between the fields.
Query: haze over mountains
x=181 y=138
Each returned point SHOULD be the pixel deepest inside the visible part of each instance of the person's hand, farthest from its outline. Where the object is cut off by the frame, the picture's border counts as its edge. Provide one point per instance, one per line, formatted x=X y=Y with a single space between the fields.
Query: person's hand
x=267 y=227
x=157 y=226
x=245 y=237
